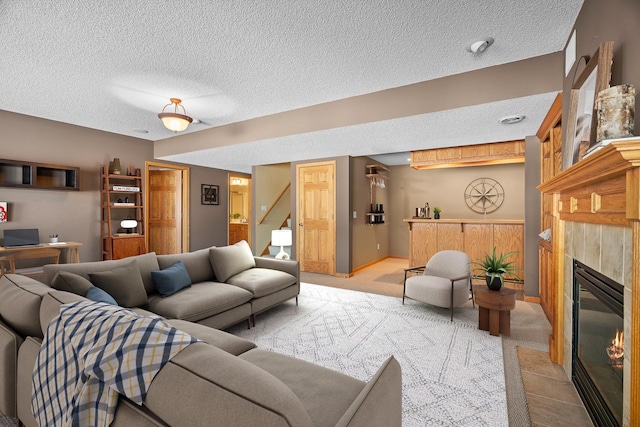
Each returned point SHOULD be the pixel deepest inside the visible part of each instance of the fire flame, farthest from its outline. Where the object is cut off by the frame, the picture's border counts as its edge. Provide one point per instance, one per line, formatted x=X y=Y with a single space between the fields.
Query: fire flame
x=616 y=349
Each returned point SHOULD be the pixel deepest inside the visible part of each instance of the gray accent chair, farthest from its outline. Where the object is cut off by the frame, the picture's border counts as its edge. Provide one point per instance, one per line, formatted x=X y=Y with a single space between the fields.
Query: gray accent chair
x=445 y=281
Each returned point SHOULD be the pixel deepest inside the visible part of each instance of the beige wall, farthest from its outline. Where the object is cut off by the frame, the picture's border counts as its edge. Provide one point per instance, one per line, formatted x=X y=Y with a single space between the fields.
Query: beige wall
x=444 y=188
x=75 y=215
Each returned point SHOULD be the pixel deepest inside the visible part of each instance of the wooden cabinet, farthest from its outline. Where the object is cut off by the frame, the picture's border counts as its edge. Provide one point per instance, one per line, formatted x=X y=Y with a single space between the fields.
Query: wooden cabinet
x=238 y=232
x=121 y=198
x=124 y=246
x=545 y=276
x=474 y=237
x=19 y=174
x=550 y=135
x=469 y=155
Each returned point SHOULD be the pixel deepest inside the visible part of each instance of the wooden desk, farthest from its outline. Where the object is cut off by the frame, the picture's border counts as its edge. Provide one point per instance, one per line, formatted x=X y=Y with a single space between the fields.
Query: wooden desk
x=495 y=309
x=71 y=247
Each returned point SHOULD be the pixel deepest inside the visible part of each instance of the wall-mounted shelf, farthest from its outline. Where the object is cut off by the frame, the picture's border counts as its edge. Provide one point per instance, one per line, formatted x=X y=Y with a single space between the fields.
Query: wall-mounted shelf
x=377 y=179
x=19 y=174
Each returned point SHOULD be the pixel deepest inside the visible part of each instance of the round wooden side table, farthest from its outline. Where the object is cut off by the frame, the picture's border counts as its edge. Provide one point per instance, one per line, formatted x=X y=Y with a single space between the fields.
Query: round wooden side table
x=495 y=309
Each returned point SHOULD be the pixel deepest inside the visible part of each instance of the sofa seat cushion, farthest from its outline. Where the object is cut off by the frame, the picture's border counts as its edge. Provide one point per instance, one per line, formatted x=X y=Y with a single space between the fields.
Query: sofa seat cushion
x=217 y=388
x=197 y=264
x=231 y=260
x=262 y=281
x=199 y=301
x=325 y=394
x=217 y=338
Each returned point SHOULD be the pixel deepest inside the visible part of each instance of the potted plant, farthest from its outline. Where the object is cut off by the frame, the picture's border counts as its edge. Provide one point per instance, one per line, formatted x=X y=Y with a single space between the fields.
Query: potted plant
x=436 y=213
x=495 y=267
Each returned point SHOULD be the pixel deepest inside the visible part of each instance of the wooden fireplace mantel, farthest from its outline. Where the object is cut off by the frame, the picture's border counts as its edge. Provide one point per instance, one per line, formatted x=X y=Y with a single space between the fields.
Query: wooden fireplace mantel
x=603 y=188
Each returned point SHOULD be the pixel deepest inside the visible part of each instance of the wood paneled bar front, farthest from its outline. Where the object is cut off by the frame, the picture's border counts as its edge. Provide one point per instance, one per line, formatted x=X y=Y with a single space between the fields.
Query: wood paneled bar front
x=475 y=237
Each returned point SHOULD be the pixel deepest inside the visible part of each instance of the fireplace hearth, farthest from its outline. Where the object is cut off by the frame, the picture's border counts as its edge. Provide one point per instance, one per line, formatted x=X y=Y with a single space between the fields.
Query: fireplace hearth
x=598 y=344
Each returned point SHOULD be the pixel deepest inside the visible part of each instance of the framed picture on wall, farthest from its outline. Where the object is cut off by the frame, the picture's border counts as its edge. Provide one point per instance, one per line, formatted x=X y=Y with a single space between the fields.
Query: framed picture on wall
x=3 y=212
x=581 y=124
x=210 y=194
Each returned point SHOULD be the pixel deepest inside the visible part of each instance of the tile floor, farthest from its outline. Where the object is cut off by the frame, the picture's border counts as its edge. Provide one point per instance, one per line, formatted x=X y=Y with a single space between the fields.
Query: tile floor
x=551 y=396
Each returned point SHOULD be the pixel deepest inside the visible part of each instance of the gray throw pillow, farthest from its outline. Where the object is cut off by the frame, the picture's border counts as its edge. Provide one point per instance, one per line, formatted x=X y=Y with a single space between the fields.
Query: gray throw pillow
x=124 y=284
x=70 y=282
x=228 y=261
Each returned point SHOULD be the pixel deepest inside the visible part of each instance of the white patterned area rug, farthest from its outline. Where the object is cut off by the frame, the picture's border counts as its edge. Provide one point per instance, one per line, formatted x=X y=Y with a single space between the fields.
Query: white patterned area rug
x=452 y=373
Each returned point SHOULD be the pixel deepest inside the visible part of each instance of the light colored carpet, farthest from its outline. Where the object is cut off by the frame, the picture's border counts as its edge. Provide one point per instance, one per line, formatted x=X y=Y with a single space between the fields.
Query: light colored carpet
x=452 y=372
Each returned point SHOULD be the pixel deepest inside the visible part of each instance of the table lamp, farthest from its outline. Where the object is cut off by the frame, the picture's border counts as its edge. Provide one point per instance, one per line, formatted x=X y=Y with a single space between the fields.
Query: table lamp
x=129 y=224
x=281 y=238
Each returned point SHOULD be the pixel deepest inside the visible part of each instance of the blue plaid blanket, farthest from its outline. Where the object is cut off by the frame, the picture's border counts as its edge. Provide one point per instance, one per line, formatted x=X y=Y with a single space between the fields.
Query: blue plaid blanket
x=91 y=353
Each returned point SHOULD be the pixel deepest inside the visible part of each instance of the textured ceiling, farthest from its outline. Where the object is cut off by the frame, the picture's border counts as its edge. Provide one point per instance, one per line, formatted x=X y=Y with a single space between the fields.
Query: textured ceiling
x=113 y=65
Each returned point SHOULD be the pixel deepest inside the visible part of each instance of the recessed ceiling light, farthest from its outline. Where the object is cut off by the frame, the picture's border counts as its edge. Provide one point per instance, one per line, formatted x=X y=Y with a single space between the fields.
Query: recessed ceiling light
x=480 y=45
x=510 y=120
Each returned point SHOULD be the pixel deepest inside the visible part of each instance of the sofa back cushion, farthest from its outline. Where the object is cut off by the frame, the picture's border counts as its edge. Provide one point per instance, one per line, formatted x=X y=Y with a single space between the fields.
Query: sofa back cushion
x=51 y=303
x=146 y=264
x=124 y=284
x=231 y=260
x=71 y=282
x=197 y=264
x=20 y=299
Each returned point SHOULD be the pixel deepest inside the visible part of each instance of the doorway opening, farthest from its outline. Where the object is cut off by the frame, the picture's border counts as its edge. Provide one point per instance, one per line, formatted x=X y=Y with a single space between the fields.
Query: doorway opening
x=239 y=208
x=167 y=213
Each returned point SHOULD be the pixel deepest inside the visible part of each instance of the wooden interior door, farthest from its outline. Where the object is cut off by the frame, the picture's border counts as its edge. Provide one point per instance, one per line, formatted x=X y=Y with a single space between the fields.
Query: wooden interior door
x=316 y=217
x=165 y=195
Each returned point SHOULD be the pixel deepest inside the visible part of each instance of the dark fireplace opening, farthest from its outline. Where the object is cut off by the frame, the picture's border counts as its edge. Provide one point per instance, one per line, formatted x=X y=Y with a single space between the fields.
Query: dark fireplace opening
x=598 y=344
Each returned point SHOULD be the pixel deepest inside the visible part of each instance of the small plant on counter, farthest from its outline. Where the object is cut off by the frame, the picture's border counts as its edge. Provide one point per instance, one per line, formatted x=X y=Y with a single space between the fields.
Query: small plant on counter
x=436 y=213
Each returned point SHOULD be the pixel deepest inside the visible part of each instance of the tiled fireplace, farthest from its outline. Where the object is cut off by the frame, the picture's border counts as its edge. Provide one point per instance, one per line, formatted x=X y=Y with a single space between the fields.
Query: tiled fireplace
x=598 y=357
x=596 y=216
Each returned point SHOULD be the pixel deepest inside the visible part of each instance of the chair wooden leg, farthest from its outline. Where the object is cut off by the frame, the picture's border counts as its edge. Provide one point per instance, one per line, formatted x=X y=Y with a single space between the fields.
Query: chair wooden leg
x=296 y=300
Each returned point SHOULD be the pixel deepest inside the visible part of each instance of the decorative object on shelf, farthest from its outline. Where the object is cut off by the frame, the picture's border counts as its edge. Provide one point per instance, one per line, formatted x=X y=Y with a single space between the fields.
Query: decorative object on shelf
x=210 y=194
x=53 y=238
x=116 y=168
x=175 y=121
x=615 y=111
x=4 y=214
x=484 y=195
x=581 y=122
x=281 y=238
x=436 y=212
x=129 y=224
x=376 y=180
x=495 y=267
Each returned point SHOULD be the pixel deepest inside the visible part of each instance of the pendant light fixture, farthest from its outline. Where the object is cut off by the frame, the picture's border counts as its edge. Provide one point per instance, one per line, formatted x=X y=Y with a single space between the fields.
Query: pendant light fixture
x=175 y=121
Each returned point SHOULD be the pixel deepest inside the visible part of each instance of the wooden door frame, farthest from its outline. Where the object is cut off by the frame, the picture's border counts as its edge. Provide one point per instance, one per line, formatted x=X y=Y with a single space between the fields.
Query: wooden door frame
x=185 y=200
x=332 y=163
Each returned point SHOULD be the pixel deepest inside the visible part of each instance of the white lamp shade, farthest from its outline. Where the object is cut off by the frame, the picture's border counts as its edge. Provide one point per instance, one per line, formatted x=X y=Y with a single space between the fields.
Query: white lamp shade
x=281 y=237
x=128 y=223
x=175 y=122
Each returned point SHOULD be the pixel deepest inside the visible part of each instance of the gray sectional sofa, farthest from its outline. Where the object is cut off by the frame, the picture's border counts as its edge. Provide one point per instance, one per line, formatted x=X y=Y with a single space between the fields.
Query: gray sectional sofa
x=223 y=380
x=228 y=284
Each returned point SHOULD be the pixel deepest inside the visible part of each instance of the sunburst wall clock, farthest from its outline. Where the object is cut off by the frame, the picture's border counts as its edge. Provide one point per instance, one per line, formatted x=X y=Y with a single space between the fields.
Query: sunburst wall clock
x=484 y=195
